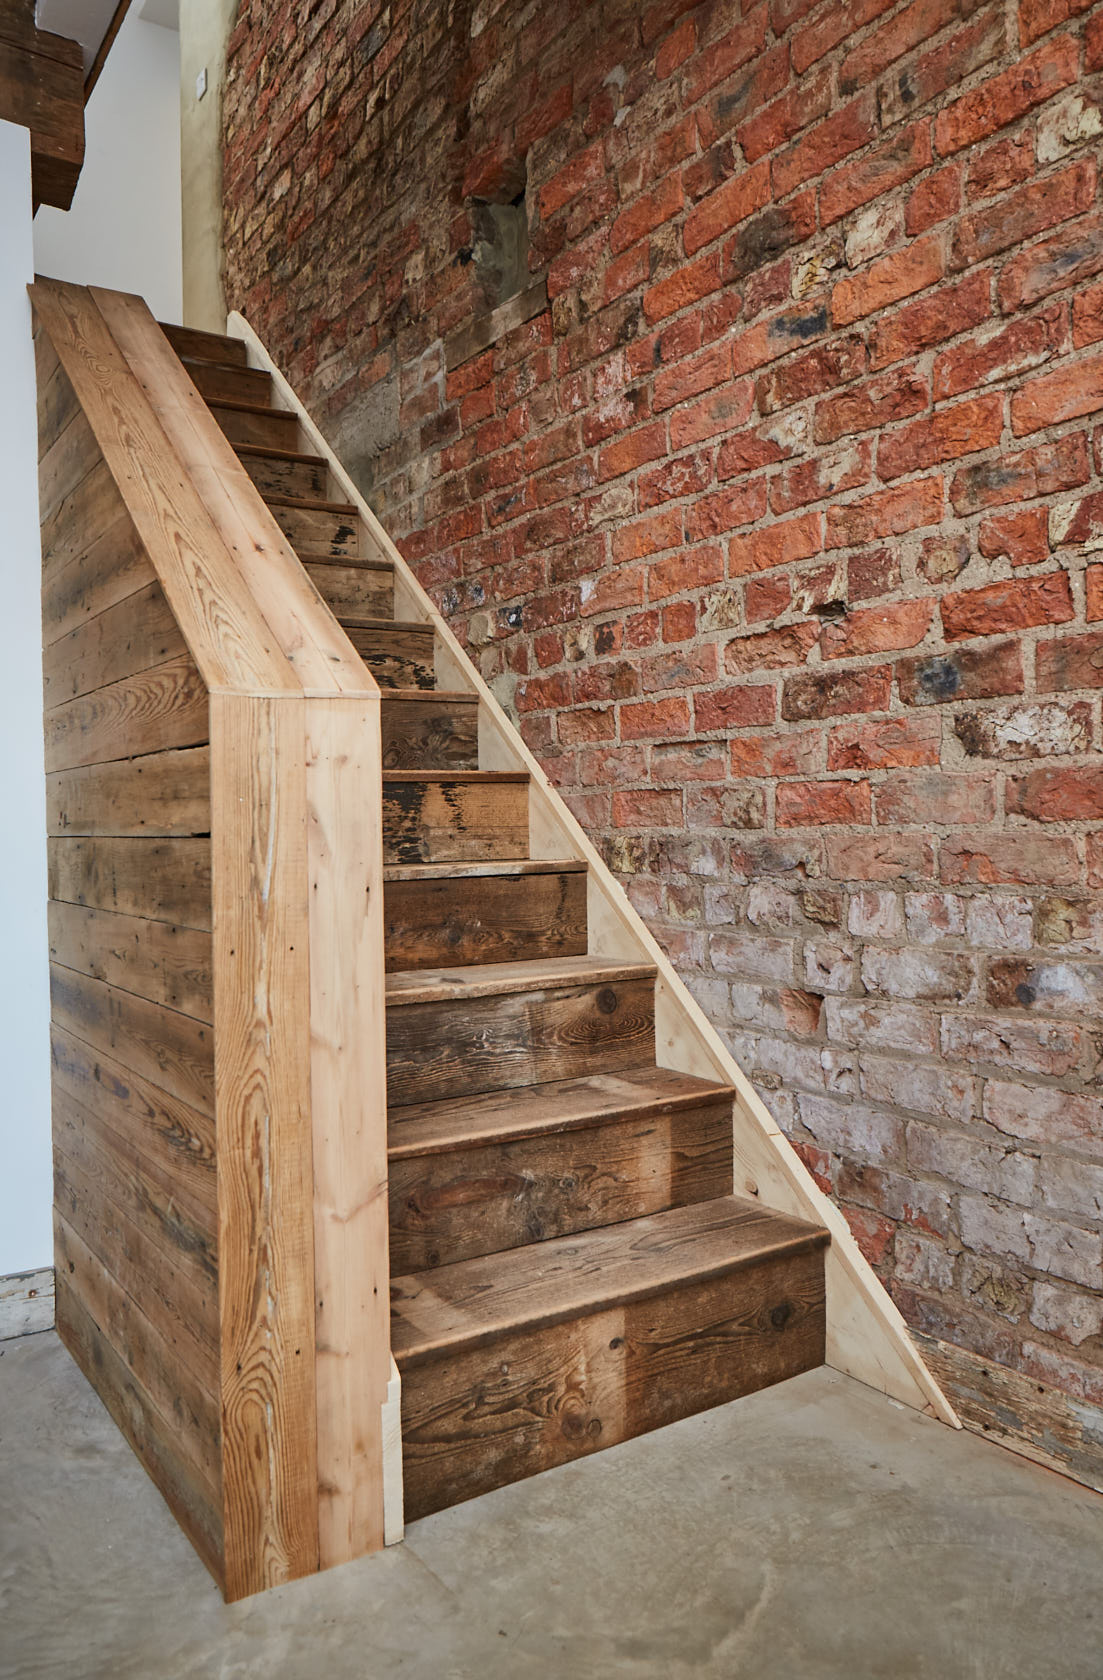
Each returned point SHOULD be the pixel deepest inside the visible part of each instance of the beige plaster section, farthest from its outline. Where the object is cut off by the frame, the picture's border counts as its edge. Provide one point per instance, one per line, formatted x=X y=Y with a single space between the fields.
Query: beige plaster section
x=204 y=30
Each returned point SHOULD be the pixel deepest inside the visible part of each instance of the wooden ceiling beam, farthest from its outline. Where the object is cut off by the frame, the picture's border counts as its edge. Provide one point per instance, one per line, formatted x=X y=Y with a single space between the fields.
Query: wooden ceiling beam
x=42 y=89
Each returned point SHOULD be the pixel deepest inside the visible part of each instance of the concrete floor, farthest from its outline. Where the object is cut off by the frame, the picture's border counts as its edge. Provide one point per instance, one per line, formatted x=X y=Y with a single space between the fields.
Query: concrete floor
x=813 y=1532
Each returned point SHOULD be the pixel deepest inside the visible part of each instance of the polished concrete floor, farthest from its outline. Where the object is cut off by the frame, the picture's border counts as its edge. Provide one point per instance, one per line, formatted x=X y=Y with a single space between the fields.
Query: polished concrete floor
x=814 y=1532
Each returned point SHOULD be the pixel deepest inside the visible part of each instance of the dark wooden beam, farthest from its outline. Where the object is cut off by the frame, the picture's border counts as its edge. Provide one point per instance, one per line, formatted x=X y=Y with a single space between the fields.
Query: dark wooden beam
x=42 y=89
x=104 y=48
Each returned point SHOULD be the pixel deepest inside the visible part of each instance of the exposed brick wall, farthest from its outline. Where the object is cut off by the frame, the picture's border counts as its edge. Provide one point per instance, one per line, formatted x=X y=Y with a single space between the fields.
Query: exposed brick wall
x=777 y=529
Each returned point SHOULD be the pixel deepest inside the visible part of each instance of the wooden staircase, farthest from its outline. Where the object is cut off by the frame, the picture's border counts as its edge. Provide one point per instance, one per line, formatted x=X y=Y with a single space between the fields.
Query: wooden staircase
x=569 y=1265
x=344 y=1000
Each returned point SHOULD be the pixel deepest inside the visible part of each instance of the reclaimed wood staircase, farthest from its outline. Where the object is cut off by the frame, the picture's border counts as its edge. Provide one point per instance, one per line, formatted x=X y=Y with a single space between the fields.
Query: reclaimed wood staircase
x=569 y=1265
x=343 y=997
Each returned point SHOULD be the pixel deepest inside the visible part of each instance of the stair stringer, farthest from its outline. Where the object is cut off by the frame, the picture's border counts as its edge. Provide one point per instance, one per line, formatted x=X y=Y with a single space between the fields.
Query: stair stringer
x=867 y=1337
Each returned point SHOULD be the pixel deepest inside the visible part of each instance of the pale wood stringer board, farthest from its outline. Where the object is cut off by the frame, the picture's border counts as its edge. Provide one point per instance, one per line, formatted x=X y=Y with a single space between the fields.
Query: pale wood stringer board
x=866 y=1335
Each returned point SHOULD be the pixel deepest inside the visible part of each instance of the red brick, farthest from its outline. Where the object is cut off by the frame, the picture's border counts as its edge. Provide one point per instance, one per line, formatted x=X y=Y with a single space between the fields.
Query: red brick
x=773 y=338
x=626 y=273
x=648 y=536
x=589 y=723
x=770 y=650
x=1022 y=214
x=583 y=170
x=647 y=808
x=1000 y=607
x=895 y=743
x=933 y=200
x=1014 y=859
x=932 y=320
x=876 y=172
x=690 y=568
x=932 y=798
x=761 y=239
x=777 y=122
x=739 y=197
x=1023 y=536
x=818 y=694
x=726 y=55
x=995 y=356
x=688 y=284
x=833 y=26
x=946 y=435
x=874 y=573
x=1054 y=397
x=647 y=719
x=1001 y=100
x=946 y=66
x=1071 y=256
x=1087 y=314
x=779 y=544
x=828 y=143
x=1093 y=593
x=1070 y=662
x=908 y=29
x=1038 y=17
x=679 y=621
x=805 y=804
x=765 y=597
x=904 y=507
x=725 y=509
x=1044 y=471
x=979 y=673
x=1093 y=44
x=809 y=374
x=880 y=857
x=745 y=707
x=623 y=587
x=686 y=475
x=877 y=629
x=748 y=452
x=1001 y=166
x=677 y=47
x=888 y=280
x=1070 y=795
x=871 y=405
x=777 y=755
x=635 y=449
x=816 y=479
x=689 y=378
x=721 y=411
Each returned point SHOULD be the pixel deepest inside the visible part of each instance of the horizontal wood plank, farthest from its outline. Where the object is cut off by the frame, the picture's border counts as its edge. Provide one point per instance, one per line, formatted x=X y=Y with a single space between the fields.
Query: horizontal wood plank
x=172 y=1051
x=112 y=568
x=152 y=711
x=485 y=919
x=163 y=794
x=461 y=815
x=136 y=633
x=166 y=880
x=156 y=960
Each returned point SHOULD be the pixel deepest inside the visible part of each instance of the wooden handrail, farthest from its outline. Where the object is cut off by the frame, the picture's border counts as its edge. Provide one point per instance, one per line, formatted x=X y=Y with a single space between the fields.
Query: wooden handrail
x=297 y=961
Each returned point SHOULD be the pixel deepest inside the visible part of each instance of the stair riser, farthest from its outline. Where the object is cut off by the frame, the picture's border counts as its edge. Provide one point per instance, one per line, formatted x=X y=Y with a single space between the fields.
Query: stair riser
x=396 y=658
x=208 y=347
x=529 y=1401
x=454 y=822
x=273 y=476
x=484 y=1200
x=500 y=918
x=275 y=430
x=354 y=591
x=316 y=531
x=466 y=1045
x=230 y=384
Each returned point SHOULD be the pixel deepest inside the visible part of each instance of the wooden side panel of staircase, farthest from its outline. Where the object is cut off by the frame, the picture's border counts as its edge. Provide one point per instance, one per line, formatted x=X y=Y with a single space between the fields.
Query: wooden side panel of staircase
x=127 y=729
x=214 y=766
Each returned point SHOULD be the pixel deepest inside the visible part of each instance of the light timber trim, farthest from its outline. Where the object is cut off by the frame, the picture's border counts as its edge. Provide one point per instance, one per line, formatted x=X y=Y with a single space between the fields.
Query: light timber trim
x=289 y=791
x=866 y=1335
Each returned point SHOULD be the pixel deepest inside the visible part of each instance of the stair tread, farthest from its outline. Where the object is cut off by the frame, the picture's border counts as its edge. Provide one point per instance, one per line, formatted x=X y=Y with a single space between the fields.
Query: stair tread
x=437 y=985
x=486 y=777
x=318 y=504
x=234 y=351
x=270 y=452
x=473 y=871
x=439 y=696
x=267 y=409
x=563 y=1105
x=472 y=1302
x=356 y=562
x=354 y=621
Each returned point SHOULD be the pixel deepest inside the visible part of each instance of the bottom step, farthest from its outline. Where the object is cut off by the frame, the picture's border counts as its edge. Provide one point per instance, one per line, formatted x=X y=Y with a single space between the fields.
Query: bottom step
x=516 y=1362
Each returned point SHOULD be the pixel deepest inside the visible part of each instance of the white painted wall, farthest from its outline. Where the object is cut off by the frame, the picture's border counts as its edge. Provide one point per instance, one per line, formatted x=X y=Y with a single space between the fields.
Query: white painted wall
x=25 y=1188
x=123 y=230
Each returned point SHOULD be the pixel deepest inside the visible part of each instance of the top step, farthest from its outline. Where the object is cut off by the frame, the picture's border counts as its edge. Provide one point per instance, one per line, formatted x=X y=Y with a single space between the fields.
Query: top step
x=200 y=346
